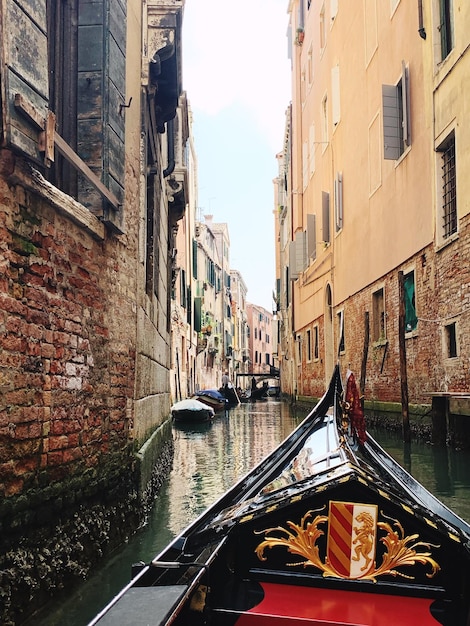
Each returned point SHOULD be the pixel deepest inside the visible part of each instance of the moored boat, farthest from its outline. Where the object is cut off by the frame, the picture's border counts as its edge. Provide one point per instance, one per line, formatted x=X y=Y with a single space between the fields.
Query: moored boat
x=328 y=529
x=191 y=410
x=213 y=398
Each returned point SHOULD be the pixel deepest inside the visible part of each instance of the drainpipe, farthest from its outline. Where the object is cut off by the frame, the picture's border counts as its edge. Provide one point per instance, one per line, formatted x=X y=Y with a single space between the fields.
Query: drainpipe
x=170 y=130
x=421 y=29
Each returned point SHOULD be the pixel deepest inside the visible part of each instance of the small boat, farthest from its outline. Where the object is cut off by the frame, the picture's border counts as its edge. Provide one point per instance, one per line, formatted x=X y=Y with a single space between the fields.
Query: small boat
x=191 y=410
x=327 y=529
x=259 y=393
x=213 y=398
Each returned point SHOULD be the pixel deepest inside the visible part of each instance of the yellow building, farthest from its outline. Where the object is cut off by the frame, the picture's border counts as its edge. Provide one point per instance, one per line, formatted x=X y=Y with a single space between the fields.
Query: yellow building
x=377 y=127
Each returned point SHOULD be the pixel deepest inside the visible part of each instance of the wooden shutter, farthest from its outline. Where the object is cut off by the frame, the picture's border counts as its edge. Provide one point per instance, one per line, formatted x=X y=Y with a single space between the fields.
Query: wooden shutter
x=405 y=104
x=298 y=255
x=391 y=122
x=311 y=237
x=326 y=216
x=24 y=71
x=101 y=96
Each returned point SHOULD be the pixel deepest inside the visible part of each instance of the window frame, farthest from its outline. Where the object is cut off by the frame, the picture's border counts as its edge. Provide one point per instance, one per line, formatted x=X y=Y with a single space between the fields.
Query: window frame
x=447 y=213
x=451 y=340
x=379 y=327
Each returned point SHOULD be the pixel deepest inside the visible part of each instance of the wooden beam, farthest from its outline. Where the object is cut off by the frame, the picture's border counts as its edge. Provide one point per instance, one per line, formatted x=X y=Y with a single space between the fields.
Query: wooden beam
x=49 y=137
x=73 y=158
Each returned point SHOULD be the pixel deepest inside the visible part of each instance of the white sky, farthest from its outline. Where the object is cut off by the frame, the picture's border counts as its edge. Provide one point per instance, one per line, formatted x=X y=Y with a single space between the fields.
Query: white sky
x=237 y=77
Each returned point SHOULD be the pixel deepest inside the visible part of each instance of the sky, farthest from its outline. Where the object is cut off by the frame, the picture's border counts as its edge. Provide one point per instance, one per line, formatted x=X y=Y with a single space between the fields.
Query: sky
x=236 y=74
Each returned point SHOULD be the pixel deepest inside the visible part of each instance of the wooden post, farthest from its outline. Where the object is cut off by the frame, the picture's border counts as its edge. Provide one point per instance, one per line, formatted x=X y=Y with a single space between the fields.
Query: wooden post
x=402 y=354
x=365 y=350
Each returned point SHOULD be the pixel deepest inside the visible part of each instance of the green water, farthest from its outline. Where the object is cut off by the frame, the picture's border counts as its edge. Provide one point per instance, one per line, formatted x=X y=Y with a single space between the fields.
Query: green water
x=208 y=460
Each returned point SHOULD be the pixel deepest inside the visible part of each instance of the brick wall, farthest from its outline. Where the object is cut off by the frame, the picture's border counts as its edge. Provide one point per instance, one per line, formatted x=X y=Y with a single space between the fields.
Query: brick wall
x=442 y=295
x=69 y=478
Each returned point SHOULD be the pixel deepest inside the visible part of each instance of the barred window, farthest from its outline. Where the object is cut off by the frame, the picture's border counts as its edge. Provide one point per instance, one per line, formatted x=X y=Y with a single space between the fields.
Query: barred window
x=449 y=187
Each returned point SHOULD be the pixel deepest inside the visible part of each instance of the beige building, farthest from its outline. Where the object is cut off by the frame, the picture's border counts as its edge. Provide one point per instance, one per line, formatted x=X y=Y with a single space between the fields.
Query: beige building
x=374 y=167
x=260 y=322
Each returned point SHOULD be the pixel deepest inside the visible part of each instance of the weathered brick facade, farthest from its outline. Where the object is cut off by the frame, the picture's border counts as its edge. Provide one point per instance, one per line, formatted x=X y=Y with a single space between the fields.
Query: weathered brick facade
x=85 y=276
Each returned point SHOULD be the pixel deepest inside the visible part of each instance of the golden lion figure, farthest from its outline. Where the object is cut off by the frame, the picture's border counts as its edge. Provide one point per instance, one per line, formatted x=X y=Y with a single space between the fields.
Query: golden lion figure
x=364 y=540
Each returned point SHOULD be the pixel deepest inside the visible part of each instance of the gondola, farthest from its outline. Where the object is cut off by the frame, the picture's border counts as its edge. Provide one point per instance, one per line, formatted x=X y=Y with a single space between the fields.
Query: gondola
x=326 y=530
x=191 y=410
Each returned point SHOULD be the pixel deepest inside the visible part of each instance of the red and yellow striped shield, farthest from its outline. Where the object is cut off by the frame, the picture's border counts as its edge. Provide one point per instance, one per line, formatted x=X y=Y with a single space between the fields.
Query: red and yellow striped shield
x=352 y=537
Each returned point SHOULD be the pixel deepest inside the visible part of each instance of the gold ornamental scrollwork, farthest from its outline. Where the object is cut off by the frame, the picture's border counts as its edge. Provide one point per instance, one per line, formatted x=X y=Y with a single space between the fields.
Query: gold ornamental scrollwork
x=353 y=532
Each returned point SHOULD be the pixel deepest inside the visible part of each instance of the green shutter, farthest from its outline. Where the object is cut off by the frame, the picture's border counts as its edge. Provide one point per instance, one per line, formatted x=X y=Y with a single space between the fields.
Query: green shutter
x=194 y=259
x=101 y=96
x=197 y=314
x=24 y=72
x=411 y=319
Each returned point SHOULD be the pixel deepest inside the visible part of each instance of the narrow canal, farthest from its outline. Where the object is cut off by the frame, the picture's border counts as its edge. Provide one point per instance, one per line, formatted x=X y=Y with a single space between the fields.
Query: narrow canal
x=208 y=460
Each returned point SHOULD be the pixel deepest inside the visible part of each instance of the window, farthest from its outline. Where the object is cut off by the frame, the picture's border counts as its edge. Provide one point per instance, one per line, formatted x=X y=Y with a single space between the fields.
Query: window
x=316 y=347
x=450 y=338
x=309 y=345
x=86 y=50
x=73 y=90
x=411 y=319
x=341 y=331
x=449 y=187
x=268 y=358
x=445 y=27
x=396 y=117
x=183 y=288
x=378 y=312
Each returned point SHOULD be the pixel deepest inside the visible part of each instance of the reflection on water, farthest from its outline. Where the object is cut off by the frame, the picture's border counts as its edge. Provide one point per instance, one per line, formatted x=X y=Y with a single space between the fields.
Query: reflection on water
x=211 y=458
x=443 y=471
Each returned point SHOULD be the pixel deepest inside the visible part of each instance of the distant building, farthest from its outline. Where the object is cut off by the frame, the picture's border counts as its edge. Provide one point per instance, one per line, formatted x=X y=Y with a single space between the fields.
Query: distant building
x=260 y=341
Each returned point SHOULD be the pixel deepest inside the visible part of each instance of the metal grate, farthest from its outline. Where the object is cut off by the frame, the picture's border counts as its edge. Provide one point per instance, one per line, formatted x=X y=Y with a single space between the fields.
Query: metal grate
x=449 y=189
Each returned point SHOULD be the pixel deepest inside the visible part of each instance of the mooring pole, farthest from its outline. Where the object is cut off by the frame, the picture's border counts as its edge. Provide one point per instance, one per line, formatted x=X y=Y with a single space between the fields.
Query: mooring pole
x=402 y=356
x=365 y=351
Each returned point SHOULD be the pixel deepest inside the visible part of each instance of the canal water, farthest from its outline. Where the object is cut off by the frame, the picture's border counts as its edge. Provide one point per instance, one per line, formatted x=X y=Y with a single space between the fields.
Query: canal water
x=211 y=458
